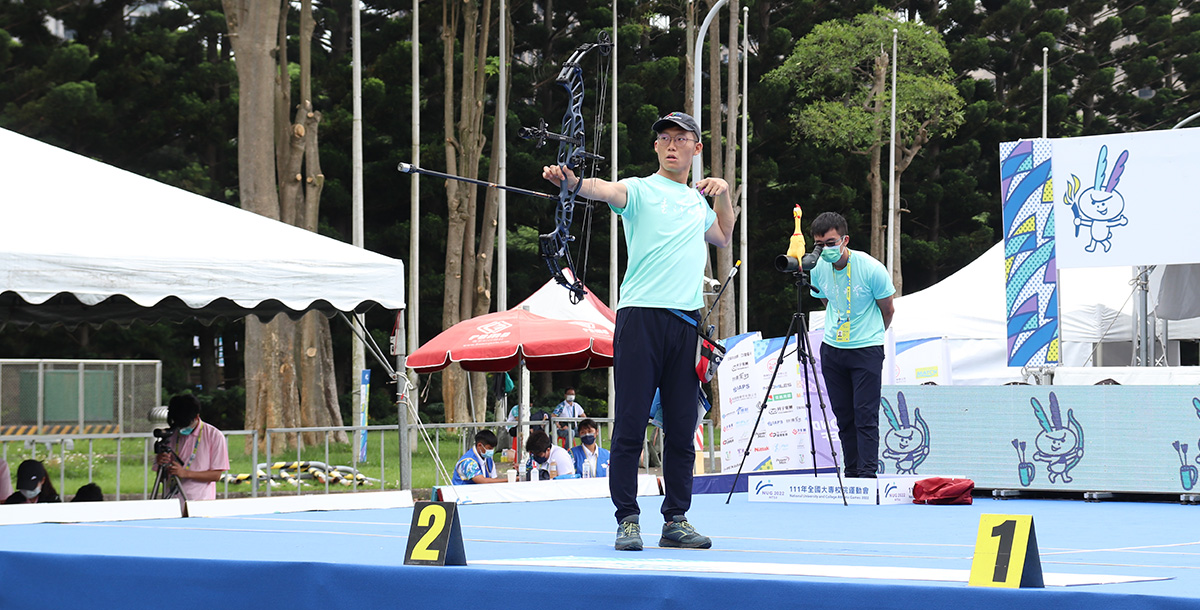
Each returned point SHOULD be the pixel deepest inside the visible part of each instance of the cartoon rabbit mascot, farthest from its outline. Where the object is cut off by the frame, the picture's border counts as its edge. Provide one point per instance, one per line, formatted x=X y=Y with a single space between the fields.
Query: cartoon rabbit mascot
x=906 y=443
x=1101 y=207
x=1060 y=447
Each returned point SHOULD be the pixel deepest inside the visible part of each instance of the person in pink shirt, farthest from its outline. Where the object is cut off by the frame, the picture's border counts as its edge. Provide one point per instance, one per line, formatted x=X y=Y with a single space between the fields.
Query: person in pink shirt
x=198 y=453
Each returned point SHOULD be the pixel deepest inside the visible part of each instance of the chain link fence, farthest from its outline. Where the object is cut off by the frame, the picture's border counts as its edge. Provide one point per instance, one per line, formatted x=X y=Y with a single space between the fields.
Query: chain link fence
x=78 y=396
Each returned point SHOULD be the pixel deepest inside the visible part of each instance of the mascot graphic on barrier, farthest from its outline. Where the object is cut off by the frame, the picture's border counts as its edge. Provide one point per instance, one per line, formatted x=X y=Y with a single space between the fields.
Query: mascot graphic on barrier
x=1059 y=446
x=1187 y=472
x=1101 y=207
x=907 y=443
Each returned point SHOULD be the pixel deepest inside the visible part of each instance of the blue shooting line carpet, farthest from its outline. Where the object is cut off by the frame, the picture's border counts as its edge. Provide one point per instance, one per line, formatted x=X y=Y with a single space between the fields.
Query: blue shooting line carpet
x=765 y=555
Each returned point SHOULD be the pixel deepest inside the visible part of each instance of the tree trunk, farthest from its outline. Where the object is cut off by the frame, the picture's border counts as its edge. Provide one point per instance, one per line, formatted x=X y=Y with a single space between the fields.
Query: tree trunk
x=319 y=405
x=878 y=88
x=314 y=354
x=453 y=377
x=209 y=379
x=282 y=353
x=464 y=146
x=272 y=388
x=904 y=158
x=271 y=395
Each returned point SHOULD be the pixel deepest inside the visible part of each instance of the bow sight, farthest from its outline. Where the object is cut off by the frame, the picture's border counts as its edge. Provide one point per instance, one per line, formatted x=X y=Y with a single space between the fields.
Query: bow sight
x=572 y=154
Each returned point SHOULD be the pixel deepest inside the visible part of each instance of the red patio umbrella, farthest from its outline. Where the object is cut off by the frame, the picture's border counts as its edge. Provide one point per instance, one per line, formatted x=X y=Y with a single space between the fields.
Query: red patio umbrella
x=496 y=342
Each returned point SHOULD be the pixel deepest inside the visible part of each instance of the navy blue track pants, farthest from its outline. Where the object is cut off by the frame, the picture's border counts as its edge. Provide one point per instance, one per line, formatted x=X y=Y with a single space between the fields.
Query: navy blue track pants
x=655 y=349
x=852 y=381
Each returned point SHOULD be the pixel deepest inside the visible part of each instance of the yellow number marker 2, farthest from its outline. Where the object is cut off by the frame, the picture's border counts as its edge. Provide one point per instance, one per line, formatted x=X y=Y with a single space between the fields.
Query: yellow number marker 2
x=1006 y=553
x=435 y=536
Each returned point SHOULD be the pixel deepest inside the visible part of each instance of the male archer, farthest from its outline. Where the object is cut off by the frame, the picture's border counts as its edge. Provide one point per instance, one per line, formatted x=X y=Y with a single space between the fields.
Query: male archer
x=667 y=225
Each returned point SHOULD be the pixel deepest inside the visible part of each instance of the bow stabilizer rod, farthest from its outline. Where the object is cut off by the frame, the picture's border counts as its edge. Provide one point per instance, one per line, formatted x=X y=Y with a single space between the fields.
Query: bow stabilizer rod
x=409 y=168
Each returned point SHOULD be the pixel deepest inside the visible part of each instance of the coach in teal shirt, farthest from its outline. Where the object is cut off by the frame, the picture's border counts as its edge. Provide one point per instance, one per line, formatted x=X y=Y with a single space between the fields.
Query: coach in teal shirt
x=857 y=292
x=667 y=226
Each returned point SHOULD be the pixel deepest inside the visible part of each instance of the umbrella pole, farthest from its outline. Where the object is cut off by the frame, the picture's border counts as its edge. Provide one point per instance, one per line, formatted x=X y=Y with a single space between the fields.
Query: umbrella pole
x=524 y=431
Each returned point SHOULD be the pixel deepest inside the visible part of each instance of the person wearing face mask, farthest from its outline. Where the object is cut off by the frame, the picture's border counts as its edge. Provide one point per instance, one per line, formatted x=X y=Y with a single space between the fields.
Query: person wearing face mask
x=668 y=223
x=476 y=465
x=546 y=460
x=857 y=293
x=589 y=458
x=198 y=453
x=568 y=408
x=33 y=485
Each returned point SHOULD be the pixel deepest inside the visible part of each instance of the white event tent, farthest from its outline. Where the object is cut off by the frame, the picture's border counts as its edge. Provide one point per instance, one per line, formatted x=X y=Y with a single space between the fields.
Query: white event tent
x=85 y=242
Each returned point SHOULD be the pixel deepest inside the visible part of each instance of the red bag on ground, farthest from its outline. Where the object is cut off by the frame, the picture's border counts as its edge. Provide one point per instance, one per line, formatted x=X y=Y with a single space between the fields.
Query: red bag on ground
x=937 y=490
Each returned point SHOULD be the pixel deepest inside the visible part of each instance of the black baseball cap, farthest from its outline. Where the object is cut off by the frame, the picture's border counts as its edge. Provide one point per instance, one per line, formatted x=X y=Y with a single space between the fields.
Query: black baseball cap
x=677 y=119
x=29 y=474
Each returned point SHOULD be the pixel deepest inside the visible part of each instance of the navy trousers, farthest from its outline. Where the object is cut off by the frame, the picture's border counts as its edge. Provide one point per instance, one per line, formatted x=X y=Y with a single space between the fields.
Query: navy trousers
x=655 y=349
x=852 y=381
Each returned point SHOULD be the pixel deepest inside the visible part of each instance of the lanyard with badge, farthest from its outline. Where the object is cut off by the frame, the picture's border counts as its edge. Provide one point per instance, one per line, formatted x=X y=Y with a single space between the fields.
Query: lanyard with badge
x=195 y=446
x=843 y=317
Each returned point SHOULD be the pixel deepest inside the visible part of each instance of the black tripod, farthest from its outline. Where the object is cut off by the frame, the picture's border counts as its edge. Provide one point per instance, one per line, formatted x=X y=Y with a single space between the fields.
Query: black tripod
x=807 y=364
x=167 y=485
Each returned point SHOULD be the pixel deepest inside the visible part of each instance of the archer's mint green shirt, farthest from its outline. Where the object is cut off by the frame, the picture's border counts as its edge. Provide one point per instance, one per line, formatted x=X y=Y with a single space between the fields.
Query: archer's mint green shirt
x=665 y=223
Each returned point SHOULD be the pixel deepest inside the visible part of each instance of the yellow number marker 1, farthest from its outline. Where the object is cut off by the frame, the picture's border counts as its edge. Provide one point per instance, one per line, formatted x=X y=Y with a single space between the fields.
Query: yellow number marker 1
x=435 y=536
x=1006 y=553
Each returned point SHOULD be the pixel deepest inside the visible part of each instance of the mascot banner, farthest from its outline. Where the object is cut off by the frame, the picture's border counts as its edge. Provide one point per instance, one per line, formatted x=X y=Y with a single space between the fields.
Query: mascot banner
x=1122 y=201
x=1112 y=200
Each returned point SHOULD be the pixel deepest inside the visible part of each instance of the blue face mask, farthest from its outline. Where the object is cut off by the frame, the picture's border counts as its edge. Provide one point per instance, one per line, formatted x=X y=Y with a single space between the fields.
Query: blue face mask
x=188 y=430
x=489 y=453
x=540 y=459
x=588 y=439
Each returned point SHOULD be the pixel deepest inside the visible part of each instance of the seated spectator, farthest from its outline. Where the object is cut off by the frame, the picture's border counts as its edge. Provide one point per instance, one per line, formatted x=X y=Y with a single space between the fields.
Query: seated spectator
x=5 y=480
x=547 y=460
x=33 y=485
x=476 y=465
x=589 y=458
x=89 y=493
x=534 y=416
x=567 y=408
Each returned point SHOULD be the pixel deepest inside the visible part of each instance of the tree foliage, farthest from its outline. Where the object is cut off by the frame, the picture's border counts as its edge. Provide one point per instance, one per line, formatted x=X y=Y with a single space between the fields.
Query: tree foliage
x=147 y=86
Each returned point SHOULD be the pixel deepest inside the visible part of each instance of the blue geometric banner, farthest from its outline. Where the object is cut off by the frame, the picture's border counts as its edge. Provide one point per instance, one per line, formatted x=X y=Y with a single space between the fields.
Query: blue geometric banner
x=1031 y=275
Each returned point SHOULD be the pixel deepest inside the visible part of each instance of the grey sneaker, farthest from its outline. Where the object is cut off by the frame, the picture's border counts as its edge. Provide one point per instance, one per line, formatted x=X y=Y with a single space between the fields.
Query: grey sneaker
x=680 y=534
x=629 y=535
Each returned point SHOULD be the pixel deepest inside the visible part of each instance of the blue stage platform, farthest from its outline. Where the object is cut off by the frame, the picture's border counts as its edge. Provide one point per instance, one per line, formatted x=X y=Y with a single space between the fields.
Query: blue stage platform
x=764 y=556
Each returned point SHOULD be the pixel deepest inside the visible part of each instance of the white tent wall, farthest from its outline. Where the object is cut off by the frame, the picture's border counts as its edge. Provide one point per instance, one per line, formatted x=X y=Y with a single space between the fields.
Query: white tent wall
x=967 y=310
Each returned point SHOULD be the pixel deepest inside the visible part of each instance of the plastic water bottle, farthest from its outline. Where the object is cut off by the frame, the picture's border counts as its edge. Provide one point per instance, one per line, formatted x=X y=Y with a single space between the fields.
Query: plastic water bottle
x=553 y=470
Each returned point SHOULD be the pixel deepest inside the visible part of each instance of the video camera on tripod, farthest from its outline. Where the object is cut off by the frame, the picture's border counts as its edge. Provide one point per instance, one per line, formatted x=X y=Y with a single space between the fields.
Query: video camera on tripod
x=798 y=263
x=165 y=484
x=161 y=443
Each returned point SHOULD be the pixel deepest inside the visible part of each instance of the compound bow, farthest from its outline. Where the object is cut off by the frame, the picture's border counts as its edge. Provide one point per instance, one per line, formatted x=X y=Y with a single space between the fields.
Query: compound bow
x=572 y=154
